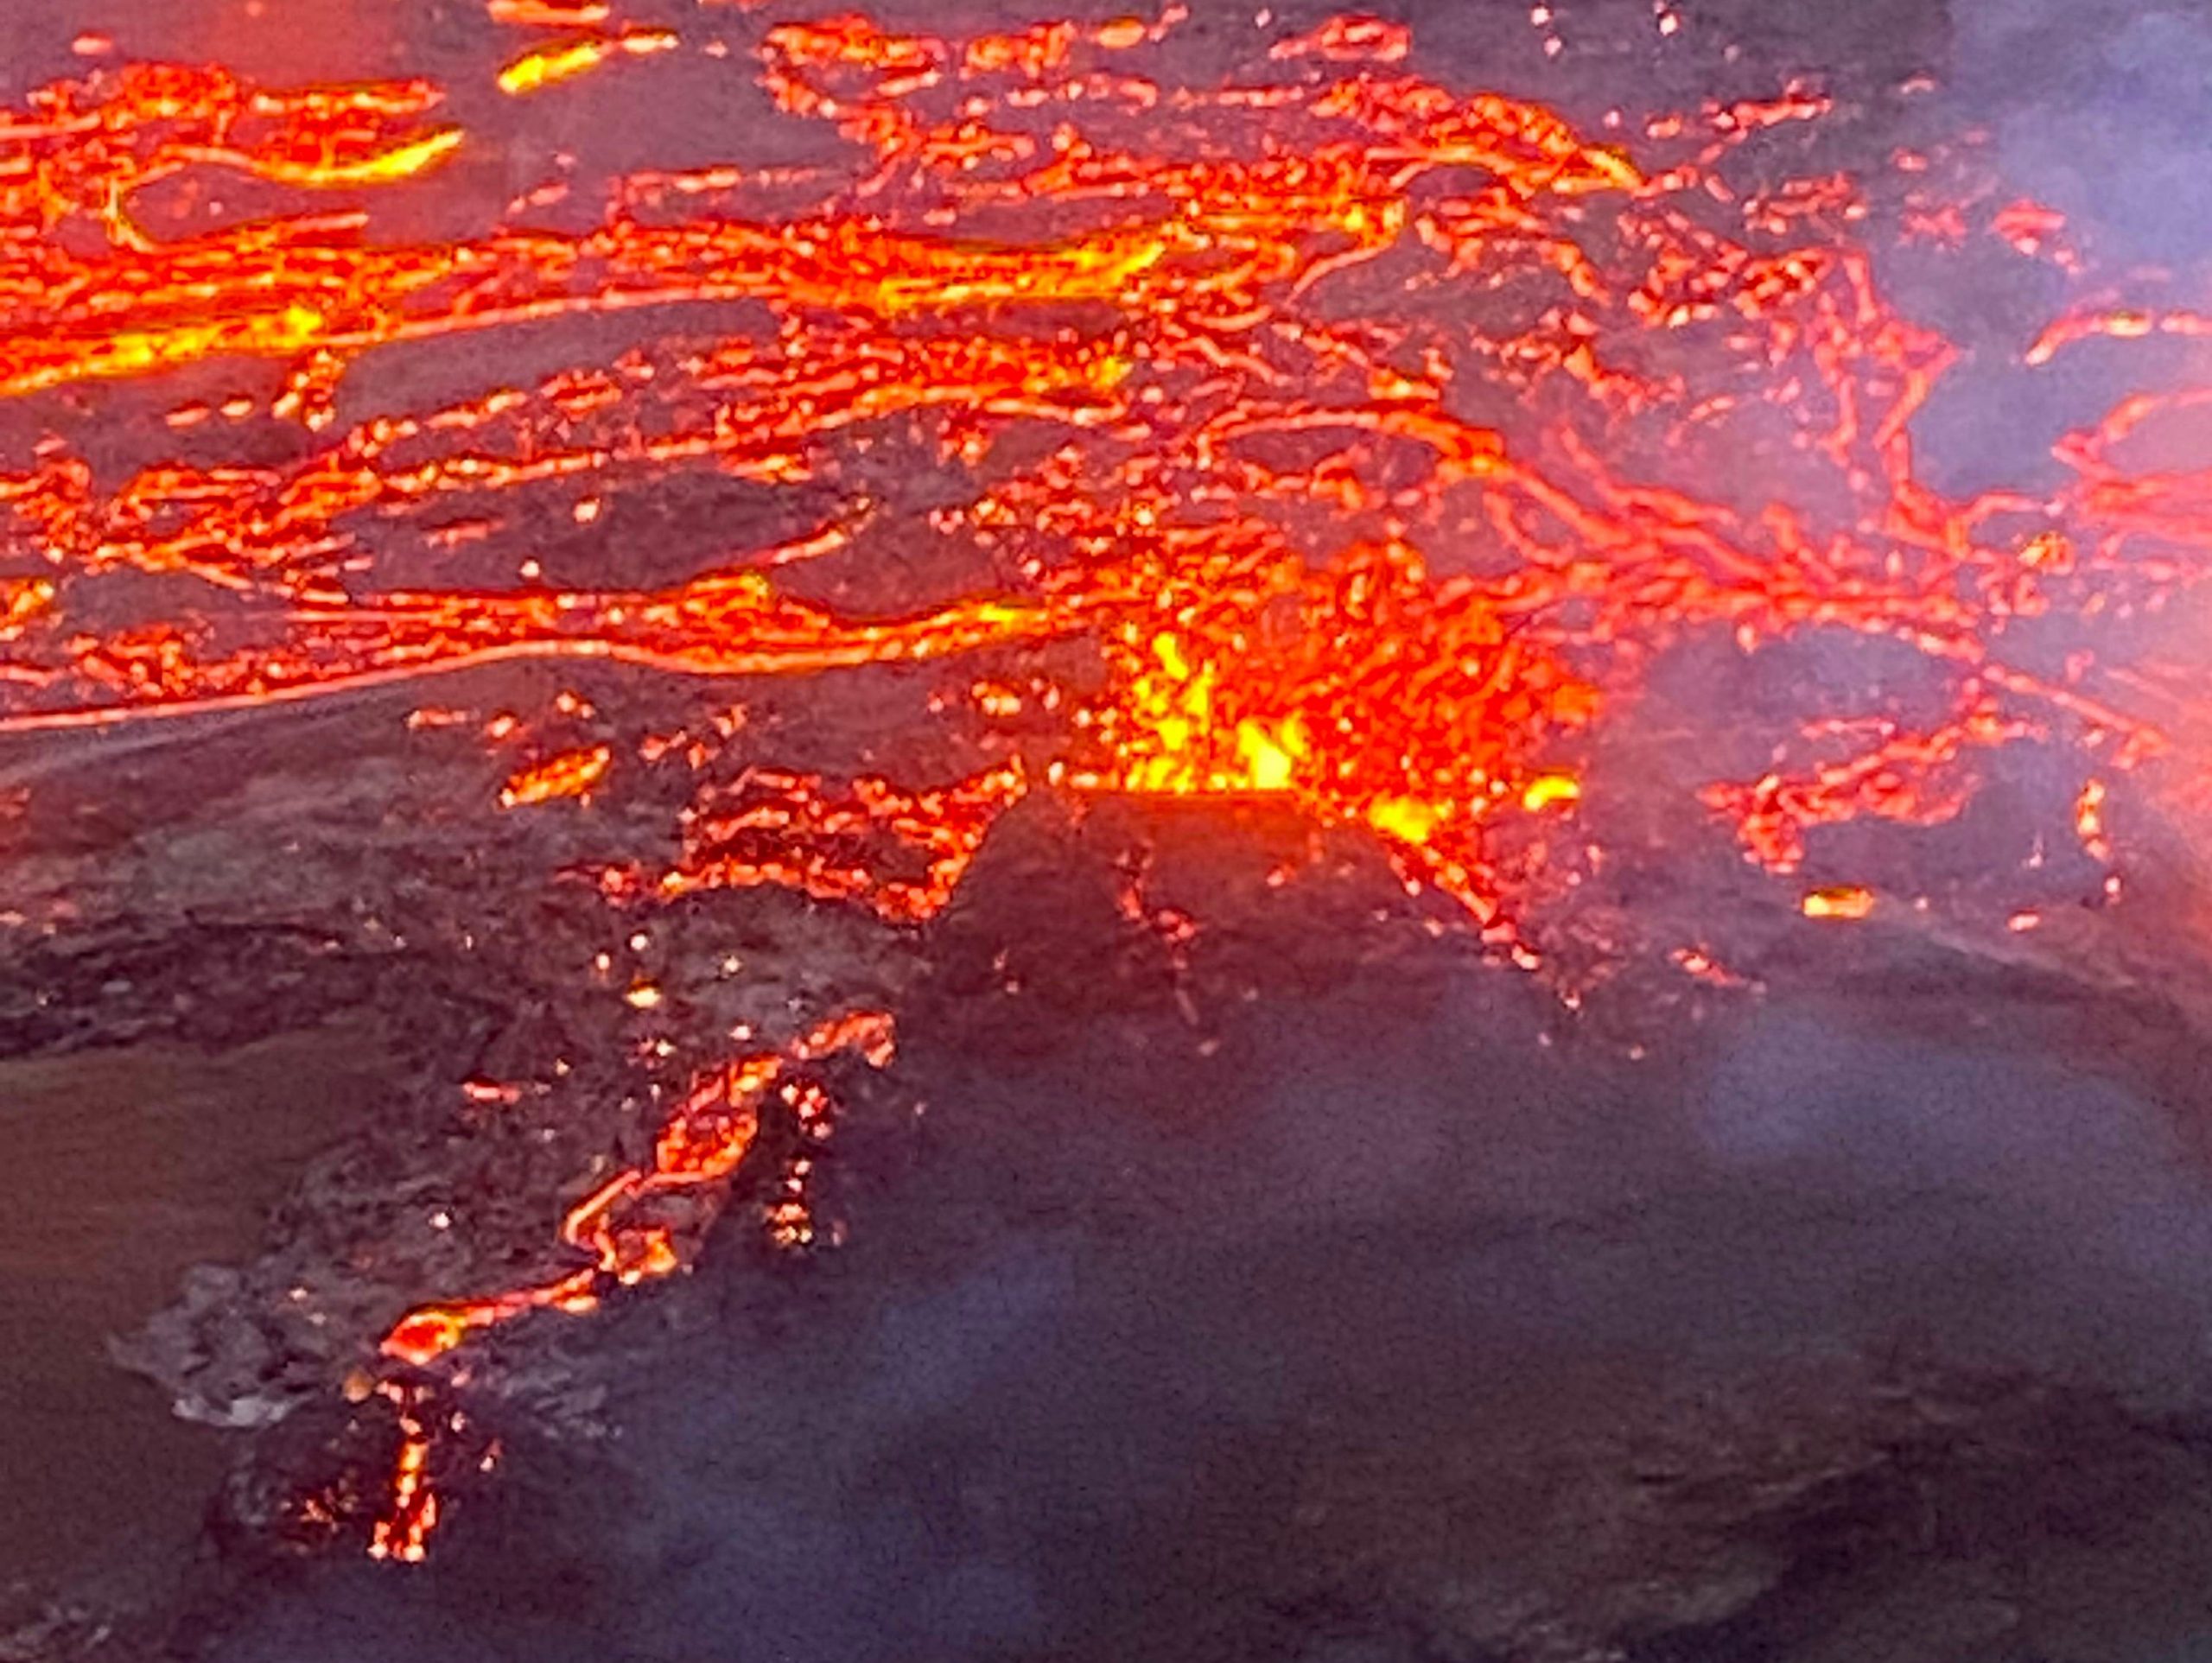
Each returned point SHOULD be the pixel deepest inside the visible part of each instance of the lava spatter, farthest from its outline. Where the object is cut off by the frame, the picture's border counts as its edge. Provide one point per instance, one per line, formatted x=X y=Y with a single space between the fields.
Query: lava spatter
x=1324 y=434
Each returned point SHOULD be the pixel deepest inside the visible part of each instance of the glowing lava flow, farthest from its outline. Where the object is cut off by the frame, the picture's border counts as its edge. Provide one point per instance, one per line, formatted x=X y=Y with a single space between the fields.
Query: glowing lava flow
x=1363 y=443
x=700 y=1143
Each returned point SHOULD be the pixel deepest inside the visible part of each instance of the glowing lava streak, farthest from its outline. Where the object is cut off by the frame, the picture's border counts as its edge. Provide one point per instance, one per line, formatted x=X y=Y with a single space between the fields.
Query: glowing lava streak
x=701 y=1143
x=403 y=1533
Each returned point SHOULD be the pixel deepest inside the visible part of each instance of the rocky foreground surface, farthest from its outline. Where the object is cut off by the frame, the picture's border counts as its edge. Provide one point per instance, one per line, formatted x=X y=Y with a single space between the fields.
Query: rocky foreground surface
x=1318 y=1292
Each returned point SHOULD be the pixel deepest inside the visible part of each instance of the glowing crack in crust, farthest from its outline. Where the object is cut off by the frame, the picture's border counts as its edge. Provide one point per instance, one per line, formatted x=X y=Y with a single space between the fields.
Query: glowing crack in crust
x=1202 y=361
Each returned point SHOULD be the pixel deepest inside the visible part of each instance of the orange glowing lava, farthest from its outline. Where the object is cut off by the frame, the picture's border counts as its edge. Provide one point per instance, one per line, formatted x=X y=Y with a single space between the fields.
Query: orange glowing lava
x=1360 y=442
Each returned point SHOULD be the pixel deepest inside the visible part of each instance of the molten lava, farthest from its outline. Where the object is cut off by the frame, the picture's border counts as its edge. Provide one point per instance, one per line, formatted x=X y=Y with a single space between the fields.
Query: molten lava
x=1326 y=434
